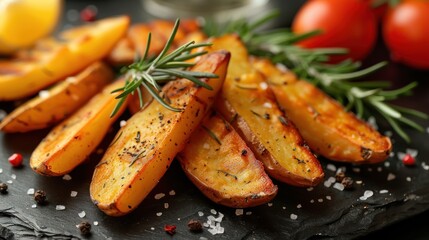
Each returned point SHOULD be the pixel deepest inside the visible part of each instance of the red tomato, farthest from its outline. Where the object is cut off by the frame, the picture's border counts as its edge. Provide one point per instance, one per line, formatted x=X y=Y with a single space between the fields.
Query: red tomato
x=347 y=24
x=406 y=33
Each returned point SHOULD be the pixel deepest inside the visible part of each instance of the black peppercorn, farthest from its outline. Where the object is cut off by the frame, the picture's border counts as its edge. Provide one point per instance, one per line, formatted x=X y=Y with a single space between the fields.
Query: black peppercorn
x=347 y=182
x=195 y=226
x=40 y=197
x=84 y=227
x=340 y=176
x=3 y=188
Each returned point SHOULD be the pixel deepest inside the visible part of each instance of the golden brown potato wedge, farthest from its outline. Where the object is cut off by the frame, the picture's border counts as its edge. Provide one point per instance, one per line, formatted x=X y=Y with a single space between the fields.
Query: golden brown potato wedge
x=60 y=101
x=247 y=101
x=69 y=143
x=218 y=161
x=144 y=148
x=78 y=48
x=326 y=126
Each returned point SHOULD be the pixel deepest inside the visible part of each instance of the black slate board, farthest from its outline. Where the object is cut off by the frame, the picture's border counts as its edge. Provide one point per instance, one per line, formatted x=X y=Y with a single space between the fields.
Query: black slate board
x=341 y=217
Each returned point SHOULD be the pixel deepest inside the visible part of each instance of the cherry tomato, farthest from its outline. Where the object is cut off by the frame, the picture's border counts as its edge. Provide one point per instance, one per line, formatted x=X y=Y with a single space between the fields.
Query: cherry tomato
x=349 y=24
x=406 y=33
x=380 y=10
x=408 y=160
x=15 y=160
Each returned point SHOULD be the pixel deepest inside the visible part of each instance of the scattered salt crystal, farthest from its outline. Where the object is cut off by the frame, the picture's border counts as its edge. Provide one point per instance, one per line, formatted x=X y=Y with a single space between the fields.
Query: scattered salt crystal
x=67 y=177
x=427 y=129
x=359 y=182
x=299 y=206
x=387 y=164
x=203 y=238
x=412 y=152
x=331 y=167
x=200 y=214
x=95 y=223
x=369 y=169
x=329 y=182
x=152 y=228
x=34 y=206
x=356 y=170
x=379 y=169
x=72 y=15
x=388 y=133
x=82 y=214
x=282 y=67
x=371 y=121
x=411 y=197
x=270 y=204
x=384 y=191
x=178 y=219
x=122 y=123
x=391 y=154
x=9 y=181
x=425 y=166
x=238 y=211
x=408 y=179
x=268 y=105
x=30 y=191
x=263 y=85
x=213 y=231
x=44 y=94
x=60 y=207
x=320 y=200
x=206 y=225
x=329 y=197
x=159 y=214
x=312 y=201
x=293 y=216
x=341 y=169
x=339 y=186
x=367 y=194
x=166 y=205
x=219 y=218
x=391 y=177
x=213 y=211
x=13 y=176
x=206 y=146
x=3 y=114
x=1 y=170
x=172 y=193
x=159 y=196
x=401 y=155
x=73 y=194
x=310 y=189
x=248 y=213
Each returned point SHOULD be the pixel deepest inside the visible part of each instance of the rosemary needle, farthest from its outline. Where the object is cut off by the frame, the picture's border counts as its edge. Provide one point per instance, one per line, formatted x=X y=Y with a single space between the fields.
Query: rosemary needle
x=151 y=74
x=337 y=80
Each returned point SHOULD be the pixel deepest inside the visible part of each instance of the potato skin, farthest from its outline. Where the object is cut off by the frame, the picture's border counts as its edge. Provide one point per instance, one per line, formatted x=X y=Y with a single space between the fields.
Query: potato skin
x=145 y=147
x=78 y=48
x=62 y=100
x=329 y=130
x=274 y=139
x=69 y=143
x=223 y=167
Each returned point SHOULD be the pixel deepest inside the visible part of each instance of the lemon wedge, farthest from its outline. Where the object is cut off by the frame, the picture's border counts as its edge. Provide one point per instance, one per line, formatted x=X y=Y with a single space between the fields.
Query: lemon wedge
x=22 y=22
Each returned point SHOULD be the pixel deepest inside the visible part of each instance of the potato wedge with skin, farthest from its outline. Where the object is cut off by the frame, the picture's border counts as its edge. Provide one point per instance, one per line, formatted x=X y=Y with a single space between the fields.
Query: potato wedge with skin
x=61 y=101
x=326 y=126
x=247 y=101
x=69 y=143
x=80 y=47
x=145 y=147
x=218 y=161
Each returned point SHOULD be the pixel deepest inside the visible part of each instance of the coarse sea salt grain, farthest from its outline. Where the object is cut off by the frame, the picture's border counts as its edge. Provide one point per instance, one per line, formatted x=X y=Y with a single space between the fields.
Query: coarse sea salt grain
x=387 y=164
x=388 y=133
x=339 y=186
x=408 y=179
x=329 y=197
x=82 y=214
x=3 y=114
x=400 y=155
x=13 y=176
x=238 y=211
x=159 y=214
x=34 y=206
x=30 y=191
x=95 y=223
x=391 y=177
x=213 y=211
x=172 y=193
x=122 y=123
x=425 y=166
x=293 y=216
x=356 y=170
x=331 y=167
x=200 y=213
x=73 y=194
x=1 y=170
x=371 y=121
x=268 y=105
x=270 y=204
x=384 y=191
x=67 y=177
x=9 y=181
x=391 y=154
x=359 y=182
x=60 y=207
x=166 y=205
x=367 y=194
x=312 y=201
x=159 y=196
x=310 y=189
x=263 y=85
x=379 y=169
x=320 y=200
x=152 y=228
x=329 y=182
x=299 y=206
x=44 y=94
x=248 y=213
x=412 y=152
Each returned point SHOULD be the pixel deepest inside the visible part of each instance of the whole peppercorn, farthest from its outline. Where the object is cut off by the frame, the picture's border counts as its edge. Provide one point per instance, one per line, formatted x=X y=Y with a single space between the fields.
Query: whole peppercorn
x=347 y=183
x=3 y=188
x=340 y=176
x=195 y=226
x=84 y=228
x=40 y=197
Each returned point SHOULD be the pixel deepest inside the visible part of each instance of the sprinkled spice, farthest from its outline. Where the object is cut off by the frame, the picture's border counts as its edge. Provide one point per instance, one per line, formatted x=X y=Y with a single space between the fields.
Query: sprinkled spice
x=347 y=182
x=84 y=227
x=3 y=188
x=340 y=176
x=408 y=160
x=195 y=226
x=170 y=229
x=15 y=160
x=40 y=197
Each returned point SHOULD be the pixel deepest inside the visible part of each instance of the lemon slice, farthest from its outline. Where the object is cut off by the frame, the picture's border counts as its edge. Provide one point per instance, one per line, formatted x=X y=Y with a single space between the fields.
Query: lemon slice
x=22 y=22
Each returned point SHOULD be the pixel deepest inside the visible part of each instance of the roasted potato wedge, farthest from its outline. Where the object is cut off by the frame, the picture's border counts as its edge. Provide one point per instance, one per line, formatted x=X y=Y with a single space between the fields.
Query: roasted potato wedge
x=69 y=143
x=144 y=148
x=79 y=47
x=218 y=161
x=60 y=101
x=328 y=128
x=247 y=101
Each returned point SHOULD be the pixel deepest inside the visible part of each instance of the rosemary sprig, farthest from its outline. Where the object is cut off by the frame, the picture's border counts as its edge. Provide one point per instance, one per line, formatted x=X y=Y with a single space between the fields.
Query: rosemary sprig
x=337 y=80
x=151 y=73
